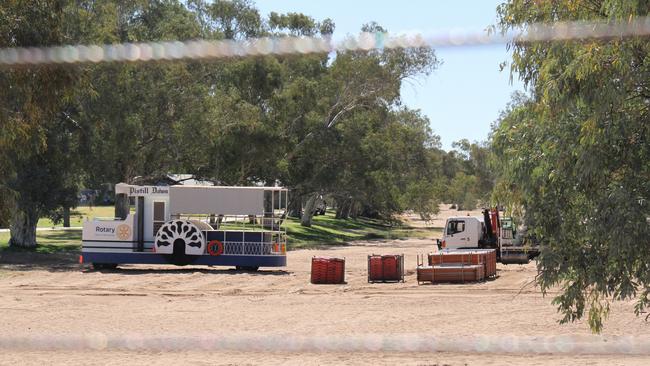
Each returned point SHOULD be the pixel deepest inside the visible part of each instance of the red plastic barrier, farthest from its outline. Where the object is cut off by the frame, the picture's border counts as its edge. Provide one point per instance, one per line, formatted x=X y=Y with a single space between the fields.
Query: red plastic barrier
x=375 y=268
x=385 y=268
x=390 y=268
x=327 y=270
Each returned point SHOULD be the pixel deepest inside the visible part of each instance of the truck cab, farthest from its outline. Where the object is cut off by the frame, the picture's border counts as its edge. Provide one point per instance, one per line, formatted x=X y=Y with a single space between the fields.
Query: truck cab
x=462 y=232
x=488 y=232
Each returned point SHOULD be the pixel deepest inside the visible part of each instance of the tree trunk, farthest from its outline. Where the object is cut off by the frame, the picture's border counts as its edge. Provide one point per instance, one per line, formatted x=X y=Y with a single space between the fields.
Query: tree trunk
x=23 y=227
x=295 y=206
x=348 y=209
x=339 y=209
x=354 y=210
x=308 y=213
x=66 y=217
x=343 y=209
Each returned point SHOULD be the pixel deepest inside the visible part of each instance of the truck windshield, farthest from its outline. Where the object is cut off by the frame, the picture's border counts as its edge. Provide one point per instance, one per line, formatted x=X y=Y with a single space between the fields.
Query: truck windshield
x=455 y=226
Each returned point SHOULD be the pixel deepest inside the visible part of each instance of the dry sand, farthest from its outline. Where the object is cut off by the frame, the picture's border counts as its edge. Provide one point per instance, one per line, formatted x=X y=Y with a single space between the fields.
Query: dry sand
x=192 y=301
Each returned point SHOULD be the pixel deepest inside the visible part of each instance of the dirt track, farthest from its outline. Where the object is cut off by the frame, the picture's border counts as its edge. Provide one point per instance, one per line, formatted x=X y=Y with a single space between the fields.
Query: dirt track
x=158 y=300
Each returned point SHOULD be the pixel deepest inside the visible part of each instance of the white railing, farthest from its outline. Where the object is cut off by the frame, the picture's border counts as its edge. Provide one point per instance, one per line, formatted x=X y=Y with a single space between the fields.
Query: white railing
x=252 y=248
x=266 y=222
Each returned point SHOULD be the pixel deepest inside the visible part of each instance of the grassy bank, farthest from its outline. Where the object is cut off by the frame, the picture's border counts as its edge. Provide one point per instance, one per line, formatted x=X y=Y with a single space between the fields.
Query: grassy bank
x=50 y=241
x=78 y=215
x=325 y=230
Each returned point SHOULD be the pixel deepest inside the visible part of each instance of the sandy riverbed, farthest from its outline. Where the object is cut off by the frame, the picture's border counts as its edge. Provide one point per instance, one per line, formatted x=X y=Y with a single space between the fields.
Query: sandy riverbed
x=65 y=300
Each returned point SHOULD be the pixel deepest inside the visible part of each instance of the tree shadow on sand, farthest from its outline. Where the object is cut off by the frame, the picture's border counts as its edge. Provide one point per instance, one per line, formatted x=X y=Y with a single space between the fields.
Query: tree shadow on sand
x=33 y=259
x=130 y=270
x=68 y=261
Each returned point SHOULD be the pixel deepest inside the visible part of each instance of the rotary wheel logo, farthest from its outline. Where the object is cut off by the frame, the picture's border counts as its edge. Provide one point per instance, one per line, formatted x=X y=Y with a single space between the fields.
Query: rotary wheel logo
x=123 y=232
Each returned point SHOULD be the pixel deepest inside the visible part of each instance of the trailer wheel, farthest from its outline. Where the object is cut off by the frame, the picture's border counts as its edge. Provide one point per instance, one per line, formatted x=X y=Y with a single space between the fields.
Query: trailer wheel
x=247 y=268
x=99 y=266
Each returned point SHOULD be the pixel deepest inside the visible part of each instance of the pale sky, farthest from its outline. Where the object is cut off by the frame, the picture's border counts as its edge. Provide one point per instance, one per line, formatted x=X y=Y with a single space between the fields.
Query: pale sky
x=464 y=96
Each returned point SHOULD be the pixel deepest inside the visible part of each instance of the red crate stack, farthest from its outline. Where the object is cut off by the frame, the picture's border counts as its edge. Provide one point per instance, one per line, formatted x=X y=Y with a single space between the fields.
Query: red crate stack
x=375 y=268
x=318 y=270
x=390 y=267
x=385 y=268
x=327 y=270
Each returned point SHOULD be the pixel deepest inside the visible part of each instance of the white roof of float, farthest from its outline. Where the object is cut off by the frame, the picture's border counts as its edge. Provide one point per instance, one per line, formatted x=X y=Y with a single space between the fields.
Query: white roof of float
x=218 y=200
x=260 y=188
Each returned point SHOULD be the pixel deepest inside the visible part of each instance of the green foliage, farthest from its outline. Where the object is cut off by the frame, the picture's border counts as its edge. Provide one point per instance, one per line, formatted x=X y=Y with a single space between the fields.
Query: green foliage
x=5 y=208
x=39 y=131
x=318 y=125
x=476 y=162
x=462 y=191
x=468 y=174
x=576 y=155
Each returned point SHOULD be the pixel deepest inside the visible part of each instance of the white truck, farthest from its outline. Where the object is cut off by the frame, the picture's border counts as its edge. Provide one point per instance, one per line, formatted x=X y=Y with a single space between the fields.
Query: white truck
x=487 y=232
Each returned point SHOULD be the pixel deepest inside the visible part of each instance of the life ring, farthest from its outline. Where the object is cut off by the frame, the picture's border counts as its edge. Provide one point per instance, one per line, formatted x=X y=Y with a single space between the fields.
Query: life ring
x=211 y=247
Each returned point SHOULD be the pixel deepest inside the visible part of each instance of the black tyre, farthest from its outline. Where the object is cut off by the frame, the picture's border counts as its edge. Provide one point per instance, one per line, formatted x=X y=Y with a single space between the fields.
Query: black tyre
x=247 y=268
x=98 y=266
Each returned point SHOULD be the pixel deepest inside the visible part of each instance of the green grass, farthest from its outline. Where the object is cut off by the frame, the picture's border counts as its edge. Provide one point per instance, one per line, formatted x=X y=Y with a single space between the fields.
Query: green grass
x=61 y=240
x=49 y=241
x=325 y=230
x=78 y=215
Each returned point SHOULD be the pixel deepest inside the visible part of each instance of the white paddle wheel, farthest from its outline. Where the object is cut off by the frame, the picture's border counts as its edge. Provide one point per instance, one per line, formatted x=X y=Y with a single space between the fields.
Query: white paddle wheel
x=182 y=237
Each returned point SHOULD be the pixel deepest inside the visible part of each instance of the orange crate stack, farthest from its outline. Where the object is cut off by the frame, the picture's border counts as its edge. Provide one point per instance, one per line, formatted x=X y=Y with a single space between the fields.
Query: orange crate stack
x=485 y=257
x=451 y=273
x=327 y=270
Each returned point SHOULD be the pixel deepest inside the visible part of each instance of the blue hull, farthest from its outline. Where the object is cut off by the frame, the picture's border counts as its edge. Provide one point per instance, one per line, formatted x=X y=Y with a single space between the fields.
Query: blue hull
x=154 y=258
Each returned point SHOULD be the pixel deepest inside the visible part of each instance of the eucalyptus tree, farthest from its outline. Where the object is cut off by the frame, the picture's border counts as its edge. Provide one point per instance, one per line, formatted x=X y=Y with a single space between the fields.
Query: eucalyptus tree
x=578 y=156
x=135 y=113
x=470 y=176
x=317 y=125
x=356 y=83
x=38 y=115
